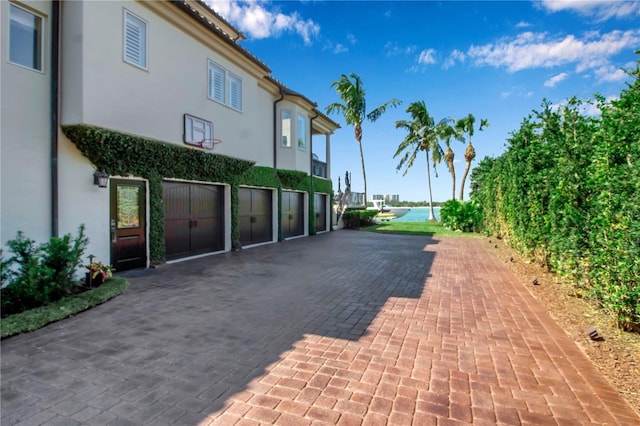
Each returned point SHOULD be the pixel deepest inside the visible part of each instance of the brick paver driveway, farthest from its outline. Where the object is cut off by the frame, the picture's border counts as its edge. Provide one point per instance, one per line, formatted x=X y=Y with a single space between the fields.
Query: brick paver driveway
x=341 y=328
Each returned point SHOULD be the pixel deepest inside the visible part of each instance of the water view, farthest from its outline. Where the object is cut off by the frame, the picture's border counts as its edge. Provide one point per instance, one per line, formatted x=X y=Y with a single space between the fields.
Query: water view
x=418 y=214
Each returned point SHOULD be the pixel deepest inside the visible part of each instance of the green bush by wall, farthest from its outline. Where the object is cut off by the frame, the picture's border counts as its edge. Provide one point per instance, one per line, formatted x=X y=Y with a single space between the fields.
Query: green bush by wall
x=567 y=193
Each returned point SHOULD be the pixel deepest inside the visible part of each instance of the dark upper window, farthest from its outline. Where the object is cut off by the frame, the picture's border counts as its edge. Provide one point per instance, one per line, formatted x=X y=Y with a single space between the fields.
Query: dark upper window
x=25 y=38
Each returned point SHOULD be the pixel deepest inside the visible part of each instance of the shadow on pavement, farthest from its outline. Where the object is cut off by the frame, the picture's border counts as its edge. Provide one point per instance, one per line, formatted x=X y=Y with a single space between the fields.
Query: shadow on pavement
x=187 y=336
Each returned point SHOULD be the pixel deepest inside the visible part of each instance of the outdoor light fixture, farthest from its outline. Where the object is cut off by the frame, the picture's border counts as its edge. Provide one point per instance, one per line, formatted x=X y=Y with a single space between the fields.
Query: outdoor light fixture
x=100 y=178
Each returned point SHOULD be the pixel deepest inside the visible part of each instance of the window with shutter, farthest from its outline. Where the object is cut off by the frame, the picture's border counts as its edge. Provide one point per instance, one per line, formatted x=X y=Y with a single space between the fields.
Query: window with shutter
x=216 y=82
x=235 y=92
x=135 y=40
x=224 y=87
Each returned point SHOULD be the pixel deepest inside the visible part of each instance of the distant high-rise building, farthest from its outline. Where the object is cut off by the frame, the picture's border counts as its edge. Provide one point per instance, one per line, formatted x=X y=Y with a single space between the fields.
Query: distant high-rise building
x=392 y=197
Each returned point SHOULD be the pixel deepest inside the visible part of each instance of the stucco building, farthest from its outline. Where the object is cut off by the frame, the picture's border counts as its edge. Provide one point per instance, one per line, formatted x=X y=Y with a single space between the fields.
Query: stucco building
x=203 y=148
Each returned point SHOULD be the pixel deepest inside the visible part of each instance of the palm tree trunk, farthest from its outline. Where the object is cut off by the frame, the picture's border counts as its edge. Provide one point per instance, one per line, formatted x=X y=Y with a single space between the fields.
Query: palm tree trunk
x=469 y=155
x=464 y=177
x=453 y=181
x=432 y=217
x=364 y=174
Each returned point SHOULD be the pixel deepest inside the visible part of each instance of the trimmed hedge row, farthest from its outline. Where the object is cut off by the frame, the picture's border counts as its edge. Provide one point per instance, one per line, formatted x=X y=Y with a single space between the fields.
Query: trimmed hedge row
x=567 y=193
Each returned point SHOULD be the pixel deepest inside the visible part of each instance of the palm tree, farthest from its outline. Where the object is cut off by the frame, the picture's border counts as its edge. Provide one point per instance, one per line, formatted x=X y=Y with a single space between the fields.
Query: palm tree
x=466 y=125
x=447 y=133
x=351 y=91
x=422 y=135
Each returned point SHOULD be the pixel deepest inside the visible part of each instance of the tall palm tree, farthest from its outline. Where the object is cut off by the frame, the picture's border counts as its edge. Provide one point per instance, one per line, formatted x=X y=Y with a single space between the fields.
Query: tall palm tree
x=466 y=125
x=422 y=135
x=354 y=109
x=447 y=133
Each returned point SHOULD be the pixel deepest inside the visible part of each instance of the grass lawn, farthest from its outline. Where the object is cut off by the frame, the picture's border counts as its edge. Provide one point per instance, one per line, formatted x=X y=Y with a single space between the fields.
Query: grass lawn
x=67 y=306
x=432 y=229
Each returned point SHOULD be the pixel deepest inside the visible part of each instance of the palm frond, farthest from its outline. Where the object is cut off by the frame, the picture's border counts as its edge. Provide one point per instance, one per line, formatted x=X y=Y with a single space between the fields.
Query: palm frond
x=376 y=113
x=335 y=107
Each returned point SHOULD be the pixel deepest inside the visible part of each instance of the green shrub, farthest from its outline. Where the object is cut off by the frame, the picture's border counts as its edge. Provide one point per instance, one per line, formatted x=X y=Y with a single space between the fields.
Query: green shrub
x=567 y=193
x=356 y=218
x=37 y=275
x=63 y=308
x=461 y=216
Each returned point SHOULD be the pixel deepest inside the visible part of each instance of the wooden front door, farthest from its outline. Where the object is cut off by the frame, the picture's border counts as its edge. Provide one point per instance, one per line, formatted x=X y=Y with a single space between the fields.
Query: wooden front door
x=193 y=219
x=321 y=212
x=292 y=214
x=127 y=224
x=255 y=217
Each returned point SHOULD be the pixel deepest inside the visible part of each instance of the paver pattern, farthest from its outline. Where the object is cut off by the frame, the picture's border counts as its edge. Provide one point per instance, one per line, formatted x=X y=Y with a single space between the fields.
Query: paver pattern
x=343 y=328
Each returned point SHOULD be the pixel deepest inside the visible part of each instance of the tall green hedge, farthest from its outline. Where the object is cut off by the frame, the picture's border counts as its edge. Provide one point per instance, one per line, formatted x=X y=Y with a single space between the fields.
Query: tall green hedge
x=125 y=155
x=567 y=193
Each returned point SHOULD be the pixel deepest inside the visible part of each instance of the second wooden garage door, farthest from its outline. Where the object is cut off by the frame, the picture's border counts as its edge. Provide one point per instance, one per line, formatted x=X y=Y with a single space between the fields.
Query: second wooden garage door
x=292 y=214
x=255 y=216
x=193 y=219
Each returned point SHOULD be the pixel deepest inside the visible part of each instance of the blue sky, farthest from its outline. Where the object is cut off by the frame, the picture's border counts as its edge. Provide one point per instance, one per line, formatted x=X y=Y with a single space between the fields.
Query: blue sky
x=496 y=60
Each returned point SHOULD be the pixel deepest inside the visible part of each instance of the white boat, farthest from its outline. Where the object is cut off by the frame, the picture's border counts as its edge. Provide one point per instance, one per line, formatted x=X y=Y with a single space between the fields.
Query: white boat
x=384 y=209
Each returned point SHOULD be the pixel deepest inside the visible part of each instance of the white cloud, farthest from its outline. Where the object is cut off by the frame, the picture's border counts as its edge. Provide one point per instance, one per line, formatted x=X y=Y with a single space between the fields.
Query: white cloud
x=426 y=57
x=335 y=48
x=393 y=49
x=339 y=48
x=589 y=107
x=539 y=50
x=523 y=24
x=455 y=56
x=601 y=10
x=257 y=20
x=351 y=39
x=518 y=92
x=556 y=79
x=611 y=74
x=413 y=69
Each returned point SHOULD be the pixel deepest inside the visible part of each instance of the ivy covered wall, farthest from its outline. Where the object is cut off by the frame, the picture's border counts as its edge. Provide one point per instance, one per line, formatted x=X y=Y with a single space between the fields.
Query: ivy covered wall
x=119 y=154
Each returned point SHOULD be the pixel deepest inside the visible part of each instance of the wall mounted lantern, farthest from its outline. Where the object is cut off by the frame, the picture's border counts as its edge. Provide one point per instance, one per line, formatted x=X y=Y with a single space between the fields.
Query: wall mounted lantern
x=100 y=178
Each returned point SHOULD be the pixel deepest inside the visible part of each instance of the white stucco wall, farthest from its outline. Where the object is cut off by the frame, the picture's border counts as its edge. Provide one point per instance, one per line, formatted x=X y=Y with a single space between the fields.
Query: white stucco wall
x=152 y=102
x=82 y=202
x=25 y=190
x=100 y=88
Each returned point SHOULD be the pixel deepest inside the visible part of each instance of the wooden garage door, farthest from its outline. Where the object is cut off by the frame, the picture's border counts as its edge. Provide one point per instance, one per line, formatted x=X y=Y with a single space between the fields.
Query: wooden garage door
x=321 y=212
x=292 y=214
x=193 y=219
x=255 y=217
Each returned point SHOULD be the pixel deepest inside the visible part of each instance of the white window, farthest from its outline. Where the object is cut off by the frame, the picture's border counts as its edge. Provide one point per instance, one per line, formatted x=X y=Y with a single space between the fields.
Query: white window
x=198 y=132
x=25 y=38
x=235 y=92
x=286 y=128
x=216 y=82
x=224 y=87
x=135 y=40
x=302 y=132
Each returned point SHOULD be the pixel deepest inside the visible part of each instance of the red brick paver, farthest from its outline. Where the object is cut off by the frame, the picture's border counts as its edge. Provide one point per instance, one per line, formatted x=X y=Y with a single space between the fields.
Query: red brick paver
x=346 y=328
x=475 y=348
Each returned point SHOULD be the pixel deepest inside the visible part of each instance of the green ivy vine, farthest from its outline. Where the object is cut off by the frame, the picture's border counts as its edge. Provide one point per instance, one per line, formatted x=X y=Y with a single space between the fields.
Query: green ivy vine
x=120 y=155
